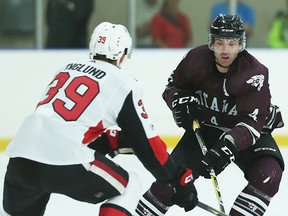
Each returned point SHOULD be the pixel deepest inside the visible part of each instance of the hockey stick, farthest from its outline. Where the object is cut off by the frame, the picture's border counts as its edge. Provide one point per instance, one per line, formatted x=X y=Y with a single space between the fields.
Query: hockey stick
x=203 y=147
x=211 y=209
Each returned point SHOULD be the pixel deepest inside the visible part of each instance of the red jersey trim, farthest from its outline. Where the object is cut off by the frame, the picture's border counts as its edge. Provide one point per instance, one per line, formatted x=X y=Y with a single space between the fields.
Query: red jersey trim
x=159 y=148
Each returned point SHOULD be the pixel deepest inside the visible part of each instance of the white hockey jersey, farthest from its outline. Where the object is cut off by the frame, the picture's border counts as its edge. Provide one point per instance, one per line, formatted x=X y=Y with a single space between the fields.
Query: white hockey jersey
x=82 y=101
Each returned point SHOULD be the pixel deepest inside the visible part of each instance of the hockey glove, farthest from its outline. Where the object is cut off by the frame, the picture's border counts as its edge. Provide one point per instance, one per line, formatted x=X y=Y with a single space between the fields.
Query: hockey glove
x=273 y=120
x=111 y=142
x=218 y=158
x=185 y=109
x=161 y=196
x=185 y=191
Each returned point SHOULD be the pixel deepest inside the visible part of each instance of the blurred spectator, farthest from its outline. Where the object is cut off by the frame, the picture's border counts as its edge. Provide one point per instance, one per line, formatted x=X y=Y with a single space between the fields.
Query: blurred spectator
x=17 y=16
x=68 y=22
x=245 y=11
x=170 y=27
x=278 y=34
x=145 y=10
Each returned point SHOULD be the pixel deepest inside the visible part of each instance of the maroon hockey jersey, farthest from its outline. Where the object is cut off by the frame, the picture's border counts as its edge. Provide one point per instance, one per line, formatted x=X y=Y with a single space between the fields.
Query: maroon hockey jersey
x=236 y=102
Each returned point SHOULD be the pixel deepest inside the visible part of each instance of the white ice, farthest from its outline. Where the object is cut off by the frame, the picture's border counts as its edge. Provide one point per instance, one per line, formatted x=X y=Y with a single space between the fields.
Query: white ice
x=231 y=182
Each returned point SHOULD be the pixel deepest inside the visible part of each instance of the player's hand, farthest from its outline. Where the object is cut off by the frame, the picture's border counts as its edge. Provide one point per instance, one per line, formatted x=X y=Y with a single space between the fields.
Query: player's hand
x=218 y=158
x=179 y=191
x=185 y=191
x=112 y=142
x=185 y=109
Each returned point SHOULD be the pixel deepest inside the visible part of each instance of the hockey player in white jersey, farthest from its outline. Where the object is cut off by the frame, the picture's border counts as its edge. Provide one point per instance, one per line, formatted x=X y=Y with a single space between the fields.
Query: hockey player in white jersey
x=61 y=146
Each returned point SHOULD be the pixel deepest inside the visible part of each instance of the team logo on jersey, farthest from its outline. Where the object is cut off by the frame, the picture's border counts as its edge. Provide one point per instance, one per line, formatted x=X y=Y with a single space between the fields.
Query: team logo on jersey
x=256 y=81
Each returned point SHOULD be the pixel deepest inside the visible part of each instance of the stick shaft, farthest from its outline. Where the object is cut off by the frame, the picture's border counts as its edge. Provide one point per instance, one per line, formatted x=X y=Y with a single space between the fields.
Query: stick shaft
x=203 y=147
x=211 y=209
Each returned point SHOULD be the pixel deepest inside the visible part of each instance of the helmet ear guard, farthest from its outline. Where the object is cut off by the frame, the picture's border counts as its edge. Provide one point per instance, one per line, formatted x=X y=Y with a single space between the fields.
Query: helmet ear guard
x=112 y=41
x=229 y=27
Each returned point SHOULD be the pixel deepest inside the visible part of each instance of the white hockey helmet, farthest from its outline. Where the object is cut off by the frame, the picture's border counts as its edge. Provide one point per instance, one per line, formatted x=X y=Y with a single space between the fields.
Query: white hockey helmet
x=112 y=41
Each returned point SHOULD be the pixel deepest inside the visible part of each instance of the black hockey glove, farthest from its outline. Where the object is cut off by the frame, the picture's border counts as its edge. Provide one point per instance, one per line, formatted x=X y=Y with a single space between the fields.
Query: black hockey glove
x=185 y=109
x=111 y=142
x=185 y=191
x=218 y=158
x=161 y=196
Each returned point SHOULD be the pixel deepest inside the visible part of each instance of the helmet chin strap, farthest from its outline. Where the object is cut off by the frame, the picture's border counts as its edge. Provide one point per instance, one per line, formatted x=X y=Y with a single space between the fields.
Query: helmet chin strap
x=118 y=63
x=121 y=60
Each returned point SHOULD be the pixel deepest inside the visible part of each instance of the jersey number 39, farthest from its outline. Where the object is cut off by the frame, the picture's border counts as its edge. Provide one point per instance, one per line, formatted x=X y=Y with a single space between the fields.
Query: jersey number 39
x=80 y=91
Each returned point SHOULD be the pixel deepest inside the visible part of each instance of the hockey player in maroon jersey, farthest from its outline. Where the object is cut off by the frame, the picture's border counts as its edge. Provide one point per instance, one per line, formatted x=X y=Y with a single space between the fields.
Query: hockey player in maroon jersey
x=227 y=90
x=54 y=149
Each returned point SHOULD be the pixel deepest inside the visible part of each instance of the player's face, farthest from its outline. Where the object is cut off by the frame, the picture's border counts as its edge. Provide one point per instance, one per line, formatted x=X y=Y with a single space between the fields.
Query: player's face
x=226 y=50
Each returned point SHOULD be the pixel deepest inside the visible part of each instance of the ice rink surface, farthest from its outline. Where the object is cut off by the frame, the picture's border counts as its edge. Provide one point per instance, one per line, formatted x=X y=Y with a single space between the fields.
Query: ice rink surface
x=231 y=182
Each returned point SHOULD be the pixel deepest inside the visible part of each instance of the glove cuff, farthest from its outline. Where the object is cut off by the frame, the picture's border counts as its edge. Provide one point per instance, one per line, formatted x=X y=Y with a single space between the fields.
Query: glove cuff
x=184 y=176
x=112 y=136
x=229 y=142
